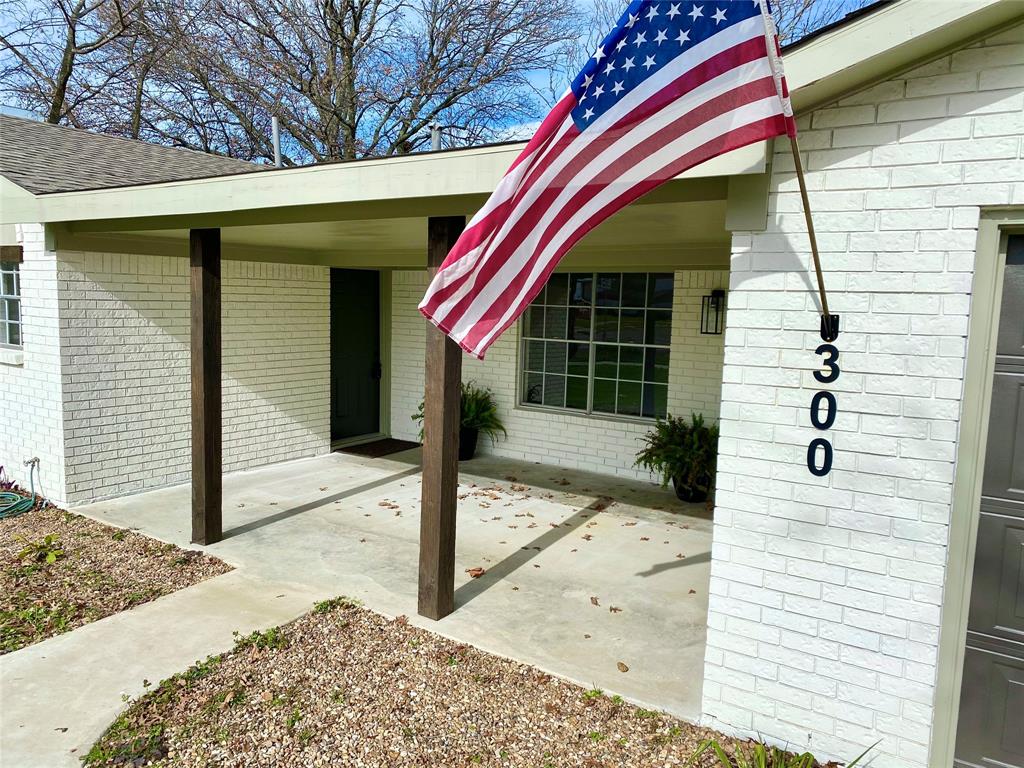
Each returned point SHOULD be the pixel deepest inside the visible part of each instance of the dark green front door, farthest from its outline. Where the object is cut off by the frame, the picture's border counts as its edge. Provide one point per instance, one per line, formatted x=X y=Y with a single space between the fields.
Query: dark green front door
x=355 y=353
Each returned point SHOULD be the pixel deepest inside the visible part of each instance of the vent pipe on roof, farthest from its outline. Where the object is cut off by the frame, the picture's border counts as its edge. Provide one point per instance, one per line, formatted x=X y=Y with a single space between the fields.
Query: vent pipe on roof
x=435 y=137
x=275 y=128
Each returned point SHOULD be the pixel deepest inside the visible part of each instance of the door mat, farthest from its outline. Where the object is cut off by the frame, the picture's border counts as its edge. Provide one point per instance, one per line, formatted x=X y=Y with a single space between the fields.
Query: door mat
x=379 y=448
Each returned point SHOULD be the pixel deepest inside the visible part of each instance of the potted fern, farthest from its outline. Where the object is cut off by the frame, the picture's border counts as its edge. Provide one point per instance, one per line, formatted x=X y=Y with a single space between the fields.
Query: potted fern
x=683 y=451
x=479 y=414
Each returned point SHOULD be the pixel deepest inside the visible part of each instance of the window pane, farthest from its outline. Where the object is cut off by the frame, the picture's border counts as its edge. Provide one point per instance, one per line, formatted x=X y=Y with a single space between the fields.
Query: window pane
x=608 y=288
x=579 y=360
x=606 y=325
x=659 y=290
x=604 y=395
x=535 y=355
x=14 y=334
x=659 y=327
x=576 y=392
x=12 y=309
x=655 y=400
x=533 y=388
x=555 y=357
x=554 y=390
x=656 y=365
x=8 y=284
x=554 y=322
x=558 y=290
x=579 y=323
x=631 y=330
x=606 y=362
x=615 y=327
x=534 y=324
x=629 y=398
x=631 y=363
x=634 y=289
x=539 y=299
x=580 y=289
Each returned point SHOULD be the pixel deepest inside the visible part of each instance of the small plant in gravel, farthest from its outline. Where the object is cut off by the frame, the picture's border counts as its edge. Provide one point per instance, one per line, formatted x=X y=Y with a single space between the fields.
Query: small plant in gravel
x=329 y=606
x=46 y=550
x=759 y=755
x=273 y=638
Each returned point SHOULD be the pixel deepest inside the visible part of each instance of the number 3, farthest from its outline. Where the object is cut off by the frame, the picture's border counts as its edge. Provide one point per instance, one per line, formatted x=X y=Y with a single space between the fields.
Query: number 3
x=831 y=361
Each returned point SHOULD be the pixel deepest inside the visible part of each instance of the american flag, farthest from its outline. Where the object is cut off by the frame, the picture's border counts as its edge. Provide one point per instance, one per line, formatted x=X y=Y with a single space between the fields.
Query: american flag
x=673 y=85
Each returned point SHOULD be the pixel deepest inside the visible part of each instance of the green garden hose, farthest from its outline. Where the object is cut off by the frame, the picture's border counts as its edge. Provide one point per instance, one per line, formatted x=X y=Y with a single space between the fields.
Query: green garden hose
x=12 y=503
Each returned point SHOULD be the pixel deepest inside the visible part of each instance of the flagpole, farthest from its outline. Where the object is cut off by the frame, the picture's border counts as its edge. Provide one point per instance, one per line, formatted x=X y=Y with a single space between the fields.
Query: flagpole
x=827 y=319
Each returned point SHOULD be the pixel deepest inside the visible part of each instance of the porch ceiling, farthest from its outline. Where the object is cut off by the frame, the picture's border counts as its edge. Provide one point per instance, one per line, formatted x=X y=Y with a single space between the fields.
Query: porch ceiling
x=679 y=233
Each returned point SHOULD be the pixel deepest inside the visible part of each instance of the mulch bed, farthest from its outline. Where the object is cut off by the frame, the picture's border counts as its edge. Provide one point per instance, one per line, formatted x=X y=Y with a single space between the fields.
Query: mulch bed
x=59 y=571
x=342 y=686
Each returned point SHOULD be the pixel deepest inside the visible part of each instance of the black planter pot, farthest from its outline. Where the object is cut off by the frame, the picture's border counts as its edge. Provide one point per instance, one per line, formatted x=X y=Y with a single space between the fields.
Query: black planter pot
x=467 y=443
x=689 y=495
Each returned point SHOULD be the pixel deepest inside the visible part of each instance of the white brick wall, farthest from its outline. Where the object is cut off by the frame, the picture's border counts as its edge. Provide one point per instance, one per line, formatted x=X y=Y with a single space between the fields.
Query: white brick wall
x=826 y=593
x=594 y=443
x=125 y=368
x=30 y=392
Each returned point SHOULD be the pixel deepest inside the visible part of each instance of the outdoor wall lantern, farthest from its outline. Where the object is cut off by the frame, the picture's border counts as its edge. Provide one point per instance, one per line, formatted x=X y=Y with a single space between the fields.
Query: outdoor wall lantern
x=712 y=312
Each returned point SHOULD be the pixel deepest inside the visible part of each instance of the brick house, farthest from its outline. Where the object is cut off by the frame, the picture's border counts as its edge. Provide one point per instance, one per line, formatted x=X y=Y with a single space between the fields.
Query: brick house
x=842 y=608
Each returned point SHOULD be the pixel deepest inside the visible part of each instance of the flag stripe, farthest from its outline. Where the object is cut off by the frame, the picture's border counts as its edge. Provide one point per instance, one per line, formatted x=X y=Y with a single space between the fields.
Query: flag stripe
x=619 y=132
x=560 y=191
x=588 y=160
x=503 y=206
x=596 y=210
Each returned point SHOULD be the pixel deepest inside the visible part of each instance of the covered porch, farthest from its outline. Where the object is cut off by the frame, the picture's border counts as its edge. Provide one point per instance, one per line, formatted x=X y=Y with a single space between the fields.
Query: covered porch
x=583 y=573
x=395 y=217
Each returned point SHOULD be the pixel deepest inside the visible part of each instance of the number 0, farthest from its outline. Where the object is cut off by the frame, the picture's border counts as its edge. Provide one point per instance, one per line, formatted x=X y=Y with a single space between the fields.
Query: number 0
x=812 y=455
x=830 y=410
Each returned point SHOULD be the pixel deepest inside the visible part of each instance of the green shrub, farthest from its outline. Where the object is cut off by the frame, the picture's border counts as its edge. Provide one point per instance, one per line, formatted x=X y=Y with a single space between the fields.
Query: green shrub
x=479 y=412
x=762 y=756
x=681 y=450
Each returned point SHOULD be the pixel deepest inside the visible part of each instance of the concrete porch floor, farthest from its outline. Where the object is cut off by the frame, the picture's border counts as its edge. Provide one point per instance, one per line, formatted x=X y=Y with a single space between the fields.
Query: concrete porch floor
x=551 y=540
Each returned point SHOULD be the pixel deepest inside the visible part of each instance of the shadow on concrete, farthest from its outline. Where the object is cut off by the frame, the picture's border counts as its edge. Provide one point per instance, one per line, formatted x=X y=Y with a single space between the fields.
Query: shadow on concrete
x=525 y=554
x=286 y=513
x=654 y=570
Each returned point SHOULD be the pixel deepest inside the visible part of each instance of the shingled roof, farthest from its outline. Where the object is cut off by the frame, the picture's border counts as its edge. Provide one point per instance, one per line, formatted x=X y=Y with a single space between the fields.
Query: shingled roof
x=41 y=157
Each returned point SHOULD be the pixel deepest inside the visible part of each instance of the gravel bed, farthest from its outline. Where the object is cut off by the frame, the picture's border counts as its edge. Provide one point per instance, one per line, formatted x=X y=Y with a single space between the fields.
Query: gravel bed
x=342 y=686
x=59 y=571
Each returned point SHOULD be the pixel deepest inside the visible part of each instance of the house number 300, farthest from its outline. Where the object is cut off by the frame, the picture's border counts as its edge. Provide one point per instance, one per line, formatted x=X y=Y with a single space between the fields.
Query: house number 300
x=823 y=412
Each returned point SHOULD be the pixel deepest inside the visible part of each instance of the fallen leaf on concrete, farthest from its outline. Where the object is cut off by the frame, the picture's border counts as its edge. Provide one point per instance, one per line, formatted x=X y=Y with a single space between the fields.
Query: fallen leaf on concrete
x=693 y=591
x=594 y=601
x=476 y=573
x=645 y=538
x=622 y=667
x=613 y=609
x=586 y=537
x=680 y=556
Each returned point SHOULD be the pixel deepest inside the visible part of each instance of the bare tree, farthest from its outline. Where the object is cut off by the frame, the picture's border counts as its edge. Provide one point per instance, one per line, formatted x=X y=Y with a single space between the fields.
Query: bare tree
x=798 y=18
x=350 y=78
x=45 y=44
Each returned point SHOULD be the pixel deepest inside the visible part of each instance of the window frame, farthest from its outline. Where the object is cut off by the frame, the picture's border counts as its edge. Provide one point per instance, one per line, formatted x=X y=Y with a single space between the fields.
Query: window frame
x=13 y=268
x=592 y=343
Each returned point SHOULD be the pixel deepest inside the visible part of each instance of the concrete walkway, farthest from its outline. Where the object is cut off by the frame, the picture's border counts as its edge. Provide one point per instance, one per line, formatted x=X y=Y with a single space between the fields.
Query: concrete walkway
x=553 y=543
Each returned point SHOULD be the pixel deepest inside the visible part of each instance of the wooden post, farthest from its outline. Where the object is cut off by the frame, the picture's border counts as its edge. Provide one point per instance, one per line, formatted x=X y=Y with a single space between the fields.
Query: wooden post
x=204 y=253
x=441 y=416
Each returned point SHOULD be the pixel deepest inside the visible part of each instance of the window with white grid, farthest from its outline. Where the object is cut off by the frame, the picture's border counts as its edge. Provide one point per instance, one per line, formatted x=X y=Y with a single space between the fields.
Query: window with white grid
x=10 y=304
x=598 y=342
